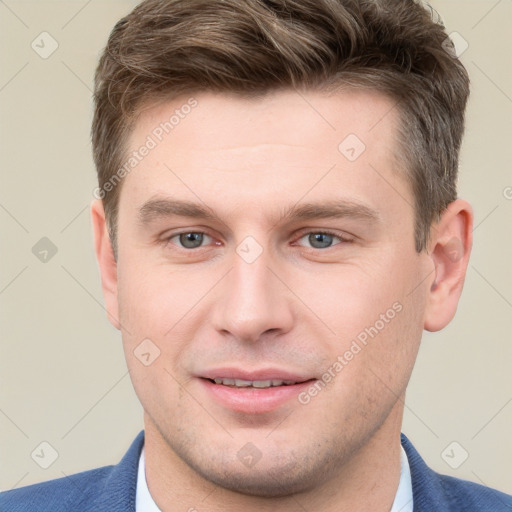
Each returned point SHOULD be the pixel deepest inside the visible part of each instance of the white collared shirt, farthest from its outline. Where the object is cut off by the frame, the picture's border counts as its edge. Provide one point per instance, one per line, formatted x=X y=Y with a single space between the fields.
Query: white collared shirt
x=143 y=500
x=403 y=498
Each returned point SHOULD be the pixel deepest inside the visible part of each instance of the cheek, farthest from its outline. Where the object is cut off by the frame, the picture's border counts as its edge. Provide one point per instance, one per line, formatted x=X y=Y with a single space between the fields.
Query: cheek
x=378 y=324
x=153 y=298
x=391 y=349
x=350 y=298
x=155 y=310
x=155 y=377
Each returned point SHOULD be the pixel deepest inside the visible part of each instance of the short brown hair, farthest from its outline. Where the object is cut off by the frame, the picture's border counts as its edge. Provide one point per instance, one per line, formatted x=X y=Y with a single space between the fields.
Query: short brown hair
x=166 y=48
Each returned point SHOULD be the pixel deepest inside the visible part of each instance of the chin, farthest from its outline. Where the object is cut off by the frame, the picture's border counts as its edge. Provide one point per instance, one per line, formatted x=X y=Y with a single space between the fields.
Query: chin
x=264 y=482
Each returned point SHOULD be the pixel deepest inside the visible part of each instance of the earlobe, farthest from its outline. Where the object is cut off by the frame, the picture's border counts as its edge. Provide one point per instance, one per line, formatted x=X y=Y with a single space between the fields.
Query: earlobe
x=449 y=249
x=106 y=261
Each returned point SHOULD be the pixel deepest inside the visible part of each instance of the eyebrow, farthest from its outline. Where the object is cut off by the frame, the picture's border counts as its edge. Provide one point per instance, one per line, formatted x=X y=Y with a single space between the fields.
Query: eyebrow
x=157 y=208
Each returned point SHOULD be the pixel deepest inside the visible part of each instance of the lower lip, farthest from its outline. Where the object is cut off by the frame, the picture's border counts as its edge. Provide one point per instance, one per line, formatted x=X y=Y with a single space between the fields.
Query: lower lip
x=254 y=400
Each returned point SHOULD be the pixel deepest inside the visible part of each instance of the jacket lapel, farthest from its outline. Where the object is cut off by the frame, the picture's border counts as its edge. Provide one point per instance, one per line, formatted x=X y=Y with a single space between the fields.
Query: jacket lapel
x=118 y=494
x=427 y=492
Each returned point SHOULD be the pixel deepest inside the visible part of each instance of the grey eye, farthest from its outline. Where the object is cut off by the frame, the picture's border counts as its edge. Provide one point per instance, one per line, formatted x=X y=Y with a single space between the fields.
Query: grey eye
x=320 y=240
x=191 y=240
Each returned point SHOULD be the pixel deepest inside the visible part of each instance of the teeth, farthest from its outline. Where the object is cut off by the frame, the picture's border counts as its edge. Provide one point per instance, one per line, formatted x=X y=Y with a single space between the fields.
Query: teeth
x=261 y=383
x=240 y=383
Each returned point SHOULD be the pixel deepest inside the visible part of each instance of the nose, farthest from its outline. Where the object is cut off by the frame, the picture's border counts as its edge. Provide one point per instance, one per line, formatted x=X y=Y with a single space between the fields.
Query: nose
x=253 y=301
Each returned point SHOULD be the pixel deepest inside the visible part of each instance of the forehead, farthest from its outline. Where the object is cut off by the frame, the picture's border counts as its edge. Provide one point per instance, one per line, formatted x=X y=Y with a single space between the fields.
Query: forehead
x=285 y=116
x=241 y=152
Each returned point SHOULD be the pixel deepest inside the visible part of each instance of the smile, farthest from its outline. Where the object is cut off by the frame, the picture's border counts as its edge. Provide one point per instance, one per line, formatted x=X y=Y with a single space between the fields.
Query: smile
x=261 y=384
x=261 y=392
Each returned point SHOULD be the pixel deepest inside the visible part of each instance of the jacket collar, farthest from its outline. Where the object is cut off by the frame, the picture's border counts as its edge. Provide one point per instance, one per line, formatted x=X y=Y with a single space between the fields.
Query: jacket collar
x=427 y=491
x=118 y=493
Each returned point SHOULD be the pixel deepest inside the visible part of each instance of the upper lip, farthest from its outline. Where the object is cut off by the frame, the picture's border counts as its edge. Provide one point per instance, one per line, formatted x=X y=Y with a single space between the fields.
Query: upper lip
x=262 y=374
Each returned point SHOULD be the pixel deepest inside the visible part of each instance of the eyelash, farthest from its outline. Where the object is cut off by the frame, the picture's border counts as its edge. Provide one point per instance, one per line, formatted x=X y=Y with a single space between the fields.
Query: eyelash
x=343 y=239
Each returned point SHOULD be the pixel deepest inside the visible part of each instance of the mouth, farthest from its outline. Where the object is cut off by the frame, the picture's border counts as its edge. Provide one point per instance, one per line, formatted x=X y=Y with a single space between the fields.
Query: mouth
x=258 y=384
x=254 y=394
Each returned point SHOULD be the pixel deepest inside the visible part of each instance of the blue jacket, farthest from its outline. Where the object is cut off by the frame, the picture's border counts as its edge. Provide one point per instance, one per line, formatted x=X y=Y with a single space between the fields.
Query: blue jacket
x=112 y=489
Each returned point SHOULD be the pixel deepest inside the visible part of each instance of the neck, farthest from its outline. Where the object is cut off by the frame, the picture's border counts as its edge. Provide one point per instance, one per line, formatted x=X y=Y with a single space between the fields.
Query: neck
x=368 y=481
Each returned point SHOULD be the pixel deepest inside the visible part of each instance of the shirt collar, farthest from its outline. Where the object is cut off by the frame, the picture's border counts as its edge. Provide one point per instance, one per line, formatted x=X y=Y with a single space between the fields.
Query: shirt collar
x=403 y=498
x=143 y=499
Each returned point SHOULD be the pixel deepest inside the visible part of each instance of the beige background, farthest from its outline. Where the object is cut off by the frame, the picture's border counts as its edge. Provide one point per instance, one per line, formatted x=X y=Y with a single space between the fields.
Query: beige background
x=64 y=379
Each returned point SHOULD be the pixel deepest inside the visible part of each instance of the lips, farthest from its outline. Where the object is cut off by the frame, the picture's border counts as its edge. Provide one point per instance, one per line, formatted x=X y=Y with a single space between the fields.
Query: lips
x=253 y=391
x=241 y=383
x=258 y=378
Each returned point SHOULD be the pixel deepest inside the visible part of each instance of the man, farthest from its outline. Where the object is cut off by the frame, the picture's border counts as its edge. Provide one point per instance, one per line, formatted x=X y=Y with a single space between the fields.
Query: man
x=276 y=223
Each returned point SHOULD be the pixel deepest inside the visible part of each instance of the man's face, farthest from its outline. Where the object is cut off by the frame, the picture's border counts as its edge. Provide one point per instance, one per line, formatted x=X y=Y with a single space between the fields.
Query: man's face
x=266 y=289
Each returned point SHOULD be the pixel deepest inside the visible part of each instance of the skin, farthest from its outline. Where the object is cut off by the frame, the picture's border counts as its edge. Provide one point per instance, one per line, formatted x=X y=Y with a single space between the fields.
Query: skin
x=296 y=307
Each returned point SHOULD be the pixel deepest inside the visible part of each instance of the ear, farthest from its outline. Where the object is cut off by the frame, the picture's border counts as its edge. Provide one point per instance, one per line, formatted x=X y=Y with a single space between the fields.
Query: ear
x=449 y=250
x=106 y=261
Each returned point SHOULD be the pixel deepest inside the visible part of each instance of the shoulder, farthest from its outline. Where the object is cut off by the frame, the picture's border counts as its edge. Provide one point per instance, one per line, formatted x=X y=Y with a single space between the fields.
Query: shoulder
x=470 y=496
x=111 y=488
x=442 y=493
x=57 y=495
